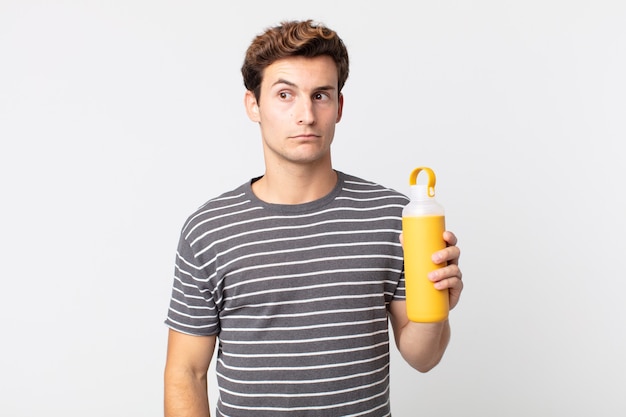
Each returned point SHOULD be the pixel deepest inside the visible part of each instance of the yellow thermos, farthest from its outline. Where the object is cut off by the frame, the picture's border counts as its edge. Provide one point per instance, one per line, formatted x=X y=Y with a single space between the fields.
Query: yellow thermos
x=423 y=224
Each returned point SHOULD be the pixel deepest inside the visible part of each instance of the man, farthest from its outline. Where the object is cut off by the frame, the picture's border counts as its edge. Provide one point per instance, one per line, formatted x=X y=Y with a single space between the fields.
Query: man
x=298 y=272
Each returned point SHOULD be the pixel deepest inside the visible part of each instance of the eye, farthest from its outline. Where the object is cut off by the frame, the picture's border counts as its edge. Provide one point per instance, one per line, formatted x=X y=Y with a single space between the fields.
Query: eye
x=321 y=96
x=285 y=95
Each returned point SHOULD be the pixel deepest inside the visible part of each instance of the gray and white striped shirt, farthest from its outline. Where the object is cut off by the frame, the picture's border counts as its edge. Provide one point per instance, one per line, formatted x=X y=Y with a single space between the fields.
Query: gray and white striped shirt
x=298 y=297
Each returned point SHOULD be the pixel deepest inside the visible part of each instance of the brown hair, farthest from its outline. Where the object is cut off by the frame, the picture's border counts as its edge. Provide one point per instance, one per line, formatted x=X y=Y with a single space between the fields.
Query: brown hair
x=293 y=38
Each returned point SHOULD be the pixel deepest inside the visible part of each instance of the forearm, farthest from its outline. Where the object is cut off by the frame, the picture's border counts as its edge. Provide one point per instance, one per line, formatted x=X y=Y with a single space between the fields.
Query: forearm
x=186 y=394
x=422 y=345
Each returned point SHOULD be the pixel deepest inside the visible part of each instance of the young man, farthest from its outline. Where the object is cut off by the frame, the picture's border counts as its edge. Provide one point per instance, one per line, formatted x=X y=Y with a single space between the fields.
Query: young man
x=297 y=272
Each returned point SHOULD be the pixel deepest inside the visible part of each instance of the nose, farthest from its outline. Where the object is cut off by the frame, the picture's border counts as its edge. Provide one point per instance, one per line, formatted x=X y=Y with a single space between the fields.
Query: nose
x=305 y=114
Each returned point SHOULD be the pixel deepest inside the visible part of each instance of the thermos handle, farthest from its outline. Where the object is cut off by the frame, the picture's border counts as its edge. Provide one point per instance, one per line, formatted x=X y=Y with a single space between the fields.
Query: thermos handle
x=431 y=179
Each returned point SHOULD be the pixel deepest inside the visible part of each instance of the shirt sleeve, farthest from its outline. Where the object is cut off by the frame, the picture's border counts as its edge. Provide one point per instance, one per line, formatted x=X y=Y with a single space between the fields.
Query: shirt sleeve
x=192 y=307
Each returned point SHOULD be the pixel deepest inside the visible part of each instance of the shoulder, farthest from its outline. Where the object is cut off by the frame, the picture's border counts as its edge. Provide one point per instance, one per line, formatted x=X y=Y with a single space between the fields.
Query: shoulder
x=370 y=198
x=358 y=186
x=219 y=210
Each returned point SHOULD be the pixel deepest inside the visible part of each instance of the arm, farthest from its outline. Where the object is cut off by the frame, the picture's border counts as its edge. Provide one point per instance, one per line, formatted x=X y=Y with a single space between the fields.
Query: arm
x=187 y=364
x=422 y=345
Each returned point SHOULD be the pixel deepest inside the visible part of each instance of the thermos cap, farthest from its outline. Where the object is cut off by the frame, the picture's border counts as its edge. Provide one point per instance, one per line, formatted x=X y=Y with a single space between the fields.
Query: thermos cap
x=419 y=192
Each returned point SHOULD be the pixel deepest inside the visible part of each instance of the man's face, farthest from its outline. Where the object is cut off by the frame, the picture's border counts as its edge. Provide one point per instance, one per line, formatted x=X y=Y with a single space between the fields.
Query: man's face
x=297 y=111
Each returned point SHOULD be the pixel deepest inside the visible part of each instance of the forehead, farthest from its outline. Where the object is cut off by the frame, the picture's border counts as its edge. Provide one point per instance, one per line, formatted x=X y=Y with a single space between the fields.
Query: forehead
x=302 y=71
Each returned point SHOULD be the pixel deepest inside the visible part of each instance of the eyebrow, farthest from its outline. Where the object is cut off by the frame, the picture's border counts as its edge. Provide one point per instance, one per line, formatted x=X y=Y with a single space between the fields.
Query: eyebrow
x=291 y=84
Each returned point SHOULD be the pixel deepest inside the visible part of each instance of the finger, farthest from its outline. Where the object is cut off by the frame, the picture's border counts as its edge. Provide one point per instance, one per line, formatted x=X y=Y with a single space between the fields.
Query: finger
x=450 y=255
x=450 y=238
x=447 y=272
x=452 y=283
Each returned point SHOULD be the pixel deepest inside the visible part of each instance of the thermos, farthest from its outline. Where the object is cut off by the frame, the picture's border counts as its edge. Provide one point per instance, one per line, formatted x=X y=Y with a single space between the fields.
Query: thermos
x=423 y=224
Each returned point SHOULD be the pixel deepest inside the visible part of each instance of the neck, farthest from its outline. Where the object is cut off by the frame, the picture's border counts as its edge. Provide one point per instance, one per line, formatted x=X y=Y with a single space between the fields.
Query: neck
x=295 y=185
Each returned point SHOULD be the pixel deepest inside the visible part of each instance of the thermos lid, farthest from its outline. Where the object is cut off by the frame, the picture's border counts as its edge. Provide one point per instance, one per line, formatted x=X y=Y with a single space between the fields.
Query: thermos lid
x=419 y=192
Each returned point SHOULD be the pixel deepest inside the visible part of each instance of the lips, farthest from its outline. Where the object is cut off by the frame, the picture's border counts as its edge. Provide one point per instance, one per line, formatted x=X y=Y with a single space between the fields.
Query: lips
x=305 y=136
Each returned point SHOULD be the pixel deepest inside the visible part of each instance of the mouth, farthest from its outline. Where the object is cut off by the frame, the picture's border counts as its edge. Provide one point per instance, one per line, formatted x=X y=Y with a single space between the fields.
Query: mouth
x=305 y=136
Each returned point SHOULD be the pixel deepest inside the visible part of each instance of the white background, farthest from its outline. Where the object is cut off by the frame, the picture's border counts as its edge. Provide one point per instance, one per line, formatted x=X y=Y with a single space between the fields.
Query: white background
x=119 y=118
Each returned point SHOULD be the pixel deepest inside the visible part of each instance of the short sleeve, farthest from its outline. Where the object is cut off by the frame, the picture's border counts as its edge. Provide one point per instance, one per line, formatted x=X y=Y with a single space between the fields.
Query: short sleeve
x=400 y=293
x=192 y=307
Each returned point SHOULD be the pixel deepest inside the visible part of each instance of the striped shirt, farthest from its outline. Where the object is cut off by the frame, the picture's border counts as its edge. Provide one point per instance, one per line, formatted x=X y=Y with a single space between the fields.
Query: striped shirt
x=298 y=297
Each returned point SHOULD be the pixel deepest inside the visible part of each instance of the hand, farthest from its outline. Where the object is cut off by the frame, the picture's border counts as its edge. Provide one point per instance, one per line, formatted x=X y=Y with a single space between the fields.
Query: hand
x=450 y=276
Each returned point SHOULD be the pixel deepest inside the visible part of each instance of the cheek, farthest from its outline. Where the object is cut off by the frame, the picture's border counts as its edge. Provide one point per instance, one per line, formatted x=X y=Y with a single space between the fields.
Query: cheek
x=275 y=116
x=328 y=124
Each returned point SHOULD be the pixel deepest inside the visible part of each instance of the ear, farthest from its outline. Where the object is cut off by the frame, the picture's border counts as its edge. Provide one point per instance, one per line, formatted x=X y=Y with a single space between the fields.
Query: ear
x=252 y=108
x=340 y=110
